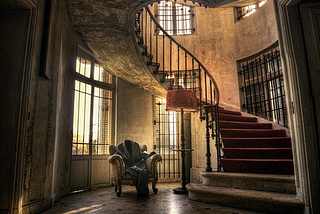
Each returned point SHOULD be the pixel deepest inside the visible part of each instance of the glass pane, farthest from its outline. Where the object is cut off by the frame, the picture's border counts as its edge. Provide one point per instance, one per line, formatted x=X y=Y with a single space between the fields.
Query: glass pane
x=183 y=19
x=101 y=74
x=165 y=16
x=83 y=67
x=101 y=120
x=81 y=121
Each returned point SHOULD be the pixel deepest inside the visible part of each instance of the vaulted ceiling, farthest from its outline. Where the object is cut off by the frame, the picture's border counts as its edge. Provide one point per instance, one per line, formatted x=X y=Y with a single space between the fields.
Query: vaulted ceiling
x=106 y=26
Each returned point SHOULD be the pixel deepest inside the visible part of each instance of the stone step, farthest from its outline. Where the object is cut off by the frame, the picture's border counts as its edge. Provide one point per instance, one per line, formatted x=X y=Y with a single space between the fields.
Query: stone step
x=268 y=202
x=249 y=181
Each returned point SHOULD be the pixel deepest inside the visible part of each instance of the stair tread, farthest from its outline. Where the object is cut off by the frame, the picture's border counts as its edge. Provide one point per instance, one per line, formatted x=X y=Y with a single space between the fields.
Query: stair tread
x=222 y=175
x=230 y=117
x=245 y=192
x=225 y=111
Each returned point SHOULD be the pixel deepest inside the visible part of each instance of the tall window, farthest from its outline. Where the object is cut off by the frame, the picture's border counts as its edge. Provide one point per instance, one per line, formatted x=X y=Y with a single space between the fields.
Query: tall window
x=262 y=87
x=176 y=19
x=167 y=129
x=92 y=108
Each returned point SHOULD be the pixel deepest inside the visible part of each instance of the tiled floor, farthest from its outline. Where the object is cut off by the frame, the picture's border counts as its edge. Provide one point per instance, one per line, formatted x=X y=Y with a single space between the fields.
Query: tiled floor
x=104 y=200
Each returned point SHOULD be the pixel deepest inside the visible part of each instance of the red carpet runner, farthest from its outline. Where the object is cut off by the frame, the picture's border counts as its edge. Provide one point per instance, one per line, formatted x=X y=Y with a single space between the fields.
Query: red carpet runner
x=252 y=147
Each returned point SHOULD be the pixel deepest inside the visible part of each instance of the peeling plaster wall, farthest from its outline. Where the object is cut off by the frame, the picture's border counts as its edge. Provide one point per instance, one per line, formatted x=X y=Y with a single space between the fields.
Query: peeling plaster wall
x=40 y=146
x=48 y=149
x=135 y=114
x=257 y=32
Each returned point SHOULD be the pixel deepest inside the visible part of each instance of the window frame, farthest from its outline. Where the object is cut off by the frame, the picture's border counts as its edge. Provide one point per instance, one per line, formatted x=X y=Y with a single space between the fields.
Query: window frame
x=94 y=84
x=174 y=20
x=245 y=11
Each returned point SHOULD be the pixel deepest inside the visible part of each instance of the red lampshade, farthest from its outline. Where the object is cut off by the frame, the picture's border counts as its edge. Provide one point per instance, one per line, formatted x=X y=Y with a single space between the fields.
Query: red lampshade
x=178 y=99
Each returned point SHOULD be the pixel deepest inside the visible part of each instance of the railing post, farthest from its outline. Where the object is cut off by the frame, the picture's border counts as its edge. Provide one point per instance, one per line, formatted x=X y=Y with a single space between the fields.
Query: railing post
x=208 y=154
x=217 y=136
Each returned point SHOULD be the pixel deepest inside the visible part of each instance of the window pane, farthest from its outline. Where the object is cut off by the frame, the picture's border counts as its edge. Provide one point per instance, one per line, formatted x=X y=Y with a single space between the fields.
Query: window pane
x=183 y=19
x=81 y=121
x=101 y=74
x=165 y=16
x=175 y=18
x=83 y=67
x=101 y=121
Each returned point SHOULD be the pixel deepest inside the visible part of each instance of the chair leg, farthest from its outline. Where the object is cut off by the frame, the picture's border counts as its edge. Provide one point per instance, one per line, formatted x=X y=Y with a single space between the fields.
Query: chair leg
x=115 y=187
x=119 y=188
x=154 y=183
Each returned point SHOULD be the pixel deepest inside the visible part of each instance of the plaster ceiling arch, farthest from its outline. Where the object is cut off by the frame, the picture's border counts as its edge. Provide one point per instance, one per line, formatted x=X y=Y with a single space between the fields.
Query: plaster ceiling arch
x=106 y=26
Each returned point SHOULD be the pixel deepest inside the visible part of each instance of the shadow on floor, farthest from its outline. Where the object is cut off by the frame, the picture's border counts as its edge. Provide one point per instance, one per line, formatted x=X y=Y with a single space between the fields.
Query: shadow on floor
x=105 y=200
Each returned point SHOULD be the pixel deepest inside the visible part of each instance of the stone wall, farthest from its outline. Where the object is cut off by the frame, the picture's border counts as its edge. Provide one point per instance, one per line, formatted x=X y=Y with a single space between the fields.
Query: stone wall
x=134 y=114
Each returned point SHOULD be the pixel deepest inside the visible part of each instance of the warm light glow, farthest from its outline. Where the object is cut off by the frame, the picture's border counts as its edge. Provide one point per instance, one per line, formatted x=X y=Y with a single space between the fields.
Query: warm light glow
x=90 y=209
x=262 y=3
x=178 y=99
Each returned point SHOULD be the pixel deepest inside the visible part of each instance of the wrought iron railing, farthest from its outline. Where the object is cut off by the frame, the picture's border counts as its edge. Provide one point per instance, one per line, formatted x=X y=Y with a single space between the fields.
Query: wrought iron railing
x=263 y=92
x=176 y=68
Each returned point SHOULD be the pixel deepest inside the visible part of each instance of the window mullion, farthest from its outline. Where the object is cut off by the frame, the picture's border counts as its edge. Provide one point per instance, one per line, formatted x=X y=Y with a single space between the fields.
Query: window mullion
x=174 y=20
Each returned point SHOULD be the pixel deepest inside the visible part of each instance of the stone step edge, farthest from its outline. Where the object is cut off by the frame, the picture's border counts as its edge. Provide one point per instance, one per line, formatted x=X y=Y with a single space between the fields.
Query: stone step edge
x=246 y=199
x=251 y=181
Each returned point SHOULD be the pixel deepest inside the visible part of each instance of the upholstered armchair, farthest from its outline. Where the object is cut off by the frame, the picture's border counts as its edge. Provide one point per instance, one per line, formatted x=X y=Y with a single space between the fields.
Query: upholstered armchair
x=121 y=176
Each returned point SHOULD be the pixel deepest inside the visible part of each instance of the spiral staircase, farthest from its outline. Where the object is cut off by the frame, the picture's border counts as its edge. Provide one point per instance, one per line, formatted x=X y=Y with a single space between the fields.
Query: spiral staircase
x=255 y=171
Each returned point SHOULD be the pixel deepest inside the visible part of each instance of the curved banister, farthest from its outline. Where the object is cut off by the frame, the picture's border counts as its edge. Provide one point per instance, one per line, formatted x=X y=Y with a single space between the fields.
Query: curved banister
x=184 y=49
x=194 y=77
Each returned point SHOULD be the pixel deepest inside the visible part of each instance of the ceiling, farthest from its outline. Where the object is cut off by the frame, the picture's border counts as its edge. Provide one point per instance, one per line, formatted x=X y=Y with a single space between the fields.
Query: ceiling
x=106 y=26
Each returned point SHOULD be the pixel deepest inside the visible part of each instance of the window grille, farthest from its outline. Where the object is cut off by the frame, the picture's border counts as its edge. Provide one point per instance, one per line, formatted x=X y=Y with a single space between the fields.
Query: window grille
x=262 y=86
x=168 y=134
x=92 y=109
x=175 y=18
x=244 y=12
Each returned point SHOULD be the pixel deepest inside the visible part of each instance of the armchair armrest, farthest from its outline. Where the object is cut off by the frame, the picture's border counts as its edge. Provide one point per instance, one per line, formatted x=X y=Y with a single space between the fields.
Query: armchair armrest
x=151 y=163
x=118 y=164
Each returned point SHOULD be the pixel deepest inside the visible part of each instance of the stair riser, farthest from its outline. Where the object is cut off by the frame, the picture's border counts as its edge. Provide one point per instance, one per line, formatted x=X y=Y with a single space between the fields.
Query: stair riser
x=244 y=125
x=247 y=201
x=258 y=154
x=223 y=111
x=257 y=143
x=269 y=183
x=243 y=133
x=258 y=166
